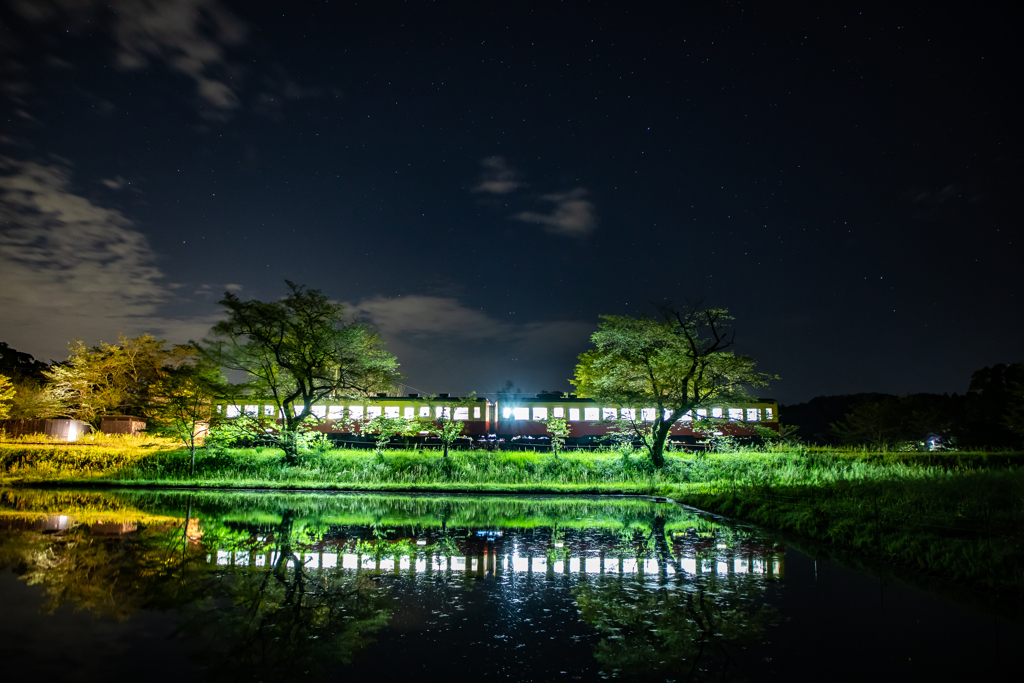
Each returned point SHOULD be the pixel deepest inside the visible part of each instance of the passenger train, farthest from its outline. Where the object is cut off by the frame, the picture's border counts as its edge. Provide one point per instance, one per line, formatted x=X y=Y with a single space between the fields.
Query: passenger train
x=515 y=417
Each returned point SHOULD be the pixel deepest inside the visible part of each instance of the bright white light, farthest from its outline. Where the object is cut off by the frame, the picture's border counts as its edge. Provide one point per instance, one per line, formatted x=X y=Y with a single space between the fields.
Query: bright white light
x=268 y=410
x=753 y=414
x=409 y=412
x=736 y=414
x=252 y=411
x=520 y=413
x=592 y=565
x=689 y=565
x=355 y=412
x=350 y=561
x=723 y=568
x=768 y=413
x=608 y=413
x=234 y=411
x=702 y=413
x=462 y=413
x=574 y=414
x=390 y=411
x=319 y=412
x=373 y=411
x=648 y=414
x=558 y=411
x=424 y=411
x=476 y=412
x=329 y=560
x=506 y=413
x=687 y=416
x=540 y=413
x=591 y=414
x=628 y=414
x=540 y=564
x=716 y=412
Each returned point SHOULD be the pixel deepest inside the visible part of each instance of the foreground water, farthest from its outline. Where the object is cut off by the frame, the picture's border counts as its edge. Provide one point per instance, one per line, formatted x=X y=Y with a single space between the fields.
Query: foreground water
x=267 y=586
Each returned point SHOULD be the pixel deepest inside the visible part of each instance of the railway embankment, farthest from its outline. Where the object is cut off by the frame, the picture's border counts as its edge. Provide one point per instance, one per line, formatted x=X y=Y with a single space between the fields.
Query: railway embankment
x=955 y=515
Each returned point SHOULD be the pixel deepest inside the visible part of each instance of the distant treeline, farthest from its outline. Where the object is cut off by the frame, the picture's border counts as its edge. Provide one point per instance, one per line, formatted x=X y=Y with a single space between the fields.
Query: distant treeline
x=989 y=415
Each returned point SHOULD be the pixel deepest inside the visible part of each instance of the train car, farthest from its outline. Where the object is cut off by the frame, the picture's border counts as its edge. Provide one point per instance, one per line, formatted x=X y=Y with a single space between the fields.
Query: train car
x=344 y=419
x=522 y=417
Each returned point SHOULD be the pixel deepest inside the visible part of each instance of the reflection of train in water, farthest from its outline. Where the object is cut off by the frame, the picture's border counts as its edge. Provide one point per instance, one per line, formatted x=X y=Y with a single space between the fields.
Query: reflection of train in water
x=517 y=417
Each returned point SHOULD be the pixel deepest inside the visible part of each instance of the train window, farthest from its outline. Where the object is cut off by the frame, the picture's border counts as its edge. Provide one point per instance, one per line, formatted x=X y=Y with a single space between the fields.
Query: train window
x=373 y=411
x=629 y=414
x=335 y=412
x=735 y=414
x=319 y=412
x=234 y=411
x=591 y=414
x=520 y=413
x=687 y=416
x=409 y=412
x=753 y=415
x=648 y=414
x=558 y=411
x=716 y=412
x=424 y=411
x=355 y=412
x=476 y=412
x=540 y=413
x=574 y=414
x=462 y=413
x=768 y=413
x=442 y=412
x=252 y=411
x=667 y=416
x=608 y=414
x=298 y=410
x=390 y=411
x=702 y=413
x=268 y=410
x=220 y=409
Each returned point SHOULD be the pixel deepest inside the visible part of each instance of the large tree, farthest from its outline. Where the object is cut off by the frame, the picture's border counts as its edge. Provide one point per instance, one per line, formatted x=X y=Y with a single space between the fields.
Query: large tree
x=674 y=363
x=297 y=351
x=113 y=378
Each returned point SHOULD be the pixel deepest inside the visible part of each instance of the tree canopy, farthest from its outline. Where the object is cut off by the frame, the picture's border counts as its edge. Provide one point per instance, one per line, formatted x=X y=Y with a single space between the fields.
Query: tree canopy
x=297 y=351
x=675 y=363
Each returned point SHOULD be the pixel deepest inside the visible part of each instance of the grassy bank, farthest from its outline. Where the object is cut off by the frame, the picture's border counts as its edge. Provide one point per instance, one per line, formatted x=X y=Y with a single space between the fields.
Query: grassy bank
x=958 y=515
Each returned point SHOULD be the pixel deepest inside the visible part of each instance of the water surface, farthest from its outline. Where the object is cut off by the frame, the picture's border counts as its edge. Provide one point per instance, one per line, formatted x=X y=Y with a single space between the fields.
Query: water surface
x=265 y=586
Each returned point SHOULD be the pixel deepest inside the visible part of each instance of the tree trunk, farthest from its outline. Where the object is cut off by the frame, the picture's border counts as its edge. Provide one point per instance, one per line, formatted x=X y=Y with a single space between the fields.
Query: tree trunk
x=658 y=438
x=445 y=444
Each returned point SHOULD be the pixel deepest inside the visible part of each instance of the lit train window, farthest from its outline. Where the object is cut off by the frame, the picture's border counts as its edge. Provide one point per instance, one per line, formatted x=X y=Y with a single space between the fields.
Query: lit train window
x=252 y=411
x=319 y=412
x=648 y=414
x=442 y=412
x=753 y=415
x=701 y=413
x=424 y=411
x=462 y=413
x=687 y=416
x=220 y=409
x=608 y=413
x=390 y=411
x=735 y=413
x=716 y=412
x=298 y=410
x=520 y=413
x=507 y=413
x=355 y=412
x=234 y=411
x=268 y=410
x=574 y=414
x=335 y=412
x=629 y=414
x=373 y=411
x=767 y=413
x=540 y=413
x=667 y=416
x=558 y=411
x=409 y=413
x=591 y=414
x=476 y=412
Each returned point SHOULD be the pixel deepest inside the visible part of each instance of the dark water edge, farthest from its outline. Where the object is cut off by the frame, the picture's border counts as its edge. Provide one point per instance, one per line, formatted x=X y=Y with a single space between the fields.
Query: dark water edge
x=501 y=587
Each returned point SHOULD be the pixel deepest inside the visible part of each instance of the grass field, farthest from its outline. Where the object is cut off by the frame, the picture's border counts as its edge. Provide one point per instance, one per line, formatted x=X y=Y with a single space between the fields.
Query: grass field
x=959 y=515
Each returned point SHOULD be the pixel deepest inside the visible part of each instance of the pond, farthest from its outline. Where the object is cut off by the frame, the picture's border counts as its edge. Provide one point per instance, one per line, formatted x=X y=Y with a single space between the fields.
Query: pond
x=264 y=586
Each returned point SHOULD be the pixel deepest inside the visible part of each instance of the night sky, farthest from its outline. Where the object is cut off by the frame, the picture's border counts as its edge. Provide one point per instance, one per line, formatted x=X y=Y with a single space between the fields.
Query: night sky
x=481 y=181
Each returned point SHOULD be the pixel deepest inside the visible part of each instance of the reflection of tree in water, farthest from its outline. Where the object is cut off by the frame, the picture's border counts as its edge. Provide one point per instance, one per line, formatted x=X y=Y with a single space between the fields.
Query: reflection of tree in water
x=244 y=621
x=657 y=630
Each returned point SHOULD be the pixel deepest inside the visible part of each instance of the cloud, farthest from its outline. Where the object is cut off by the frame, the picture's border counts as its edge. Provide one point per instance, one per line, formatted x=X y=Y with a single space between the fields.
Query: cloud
x=188 y=36
x=72 y=269
x=114 y=183
x=573 y=215
x=444 y=345
x=497 y=177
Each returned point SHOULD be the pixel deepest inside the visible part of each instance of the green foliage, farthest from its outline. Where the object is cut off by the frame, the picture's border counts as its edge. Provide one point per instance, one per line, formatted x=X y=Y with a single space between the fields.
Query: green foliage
x=297 y=351
x=558 y=429
x=387 y=428
x=6 y=394
x=113 y=378
x=675 y=364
